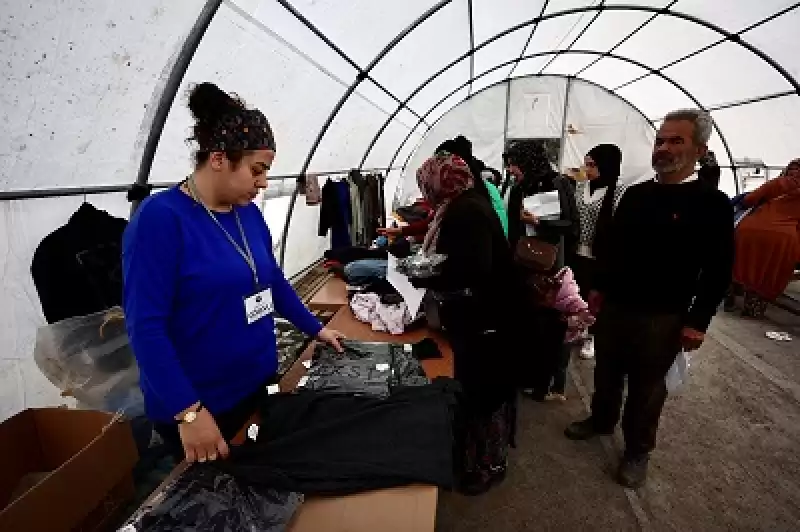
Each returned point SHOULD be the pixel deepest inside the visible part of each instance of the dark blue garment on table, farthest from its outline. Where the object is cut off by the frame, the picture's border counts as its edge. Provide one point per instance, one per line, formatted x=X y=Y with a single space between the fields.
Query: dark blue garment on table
x=361 y=272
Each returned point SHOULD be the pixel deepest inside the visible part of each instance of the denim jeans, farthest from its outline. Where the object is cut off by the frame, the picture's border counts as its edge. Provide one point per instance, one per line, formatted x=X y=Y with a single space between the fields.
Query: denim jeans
x=361 y=272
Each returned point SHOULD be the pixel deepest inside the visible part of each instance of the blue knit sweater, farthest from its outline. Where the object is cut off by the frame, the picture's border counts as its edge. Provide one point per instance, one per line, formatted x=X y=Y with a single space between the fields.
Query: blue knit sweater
x=184 y=292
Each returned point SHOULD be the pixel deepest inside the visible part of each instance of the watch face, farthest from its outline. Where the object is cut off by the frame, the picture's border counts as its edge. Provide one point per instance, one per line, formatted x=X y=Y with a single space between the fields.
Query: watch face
x=190 y=416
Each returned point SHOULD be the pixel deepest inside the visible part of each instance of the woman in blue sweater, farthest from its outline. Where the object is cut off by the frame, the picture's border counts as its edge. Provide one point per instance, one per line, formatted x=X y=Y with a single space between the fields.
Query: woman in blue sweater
x=201 y=284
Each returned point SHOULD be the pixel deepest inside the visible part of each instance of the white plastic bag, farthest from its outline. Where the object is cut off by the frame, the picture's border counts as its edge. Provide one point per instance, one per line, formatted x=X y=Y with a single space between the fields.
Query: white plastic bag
x=89 y=358
x=678 y=374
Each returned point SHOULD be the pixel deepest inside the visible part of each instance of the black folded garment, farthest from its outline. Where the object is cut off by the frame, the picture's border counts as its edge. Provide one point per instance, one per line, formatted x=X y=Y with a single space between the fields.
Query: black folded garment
x=205 y=499
x=345 y=256
x=426 y=349
x=331 y=444
x=371 y=368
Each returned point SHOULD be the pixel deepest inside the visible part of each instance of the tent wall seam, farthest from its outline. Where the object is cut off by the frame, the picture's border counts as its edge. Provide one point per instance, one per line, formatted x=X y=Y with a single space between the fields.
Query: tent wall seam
x=335 y=111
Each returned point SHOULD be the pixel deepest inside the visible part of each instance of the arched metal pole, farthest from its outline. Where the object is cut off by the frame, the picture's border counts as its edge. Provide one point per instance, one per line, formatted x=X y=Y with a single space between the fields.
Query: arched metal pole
x=339 y=106
x=587 y=52
x=171 y=89
x=534 y=21
x=662 y=11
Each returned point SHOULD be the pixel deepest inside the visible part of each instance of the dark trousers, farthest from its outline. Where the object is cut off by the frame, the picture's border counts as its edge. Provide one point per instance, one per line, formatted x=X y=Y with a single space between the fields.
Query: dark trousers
x=642 y=347
x=229 y=422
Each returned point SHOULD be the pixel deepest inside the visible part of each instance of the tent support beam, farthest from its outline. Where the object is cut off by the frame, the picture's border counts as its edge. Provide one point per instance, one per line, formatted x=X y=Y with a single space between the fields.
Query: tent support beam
x=563 y=146
x=361 y=73
x=37 y=193
x=471 y=45
x=732 y=37
x=544 y=54
x=625 y=39
x=530 y=38
x=170 y=90
x=615 y=7
x=577 y=37
x=335 y=111
x=505 y=135
x=758 y=99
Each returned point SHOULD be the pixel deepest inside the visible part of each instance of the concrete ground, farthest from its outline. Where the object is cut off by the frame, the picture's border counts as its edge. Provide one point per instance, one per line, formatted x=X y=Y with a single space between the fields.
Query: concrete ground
x=727 y=456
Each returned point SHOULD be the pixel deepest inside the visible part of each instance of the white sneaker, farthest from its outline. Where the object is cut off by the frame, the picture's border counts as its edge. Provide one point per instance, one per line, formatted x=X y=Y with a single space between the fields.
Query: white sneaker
x=587 y=349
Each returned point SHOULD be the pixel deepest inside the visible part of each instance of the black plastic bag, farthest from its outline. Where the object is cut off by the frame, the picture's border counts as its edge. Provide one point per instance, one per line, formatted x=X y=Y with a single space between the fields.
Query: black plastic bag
x=204 y=499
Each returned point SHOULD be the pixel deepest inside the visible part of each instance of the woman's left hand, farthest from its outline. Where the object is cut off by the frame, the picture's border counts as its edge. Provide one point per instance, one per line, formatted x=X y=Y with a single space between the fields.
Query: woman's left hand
x=331 y=337
x=529 y=218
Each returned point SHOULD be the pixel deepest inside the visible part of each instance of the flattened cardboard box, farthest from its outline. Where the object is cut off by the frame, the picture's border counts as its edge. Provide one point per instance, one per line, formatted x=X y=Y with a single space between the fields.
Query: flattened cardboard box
x=64 y=470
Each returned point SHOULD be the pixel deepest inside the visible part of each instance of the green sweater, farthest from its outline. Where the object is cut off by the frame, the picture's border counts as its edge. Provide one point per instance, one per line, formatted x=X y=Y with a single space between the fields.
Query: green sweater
x=498 y=205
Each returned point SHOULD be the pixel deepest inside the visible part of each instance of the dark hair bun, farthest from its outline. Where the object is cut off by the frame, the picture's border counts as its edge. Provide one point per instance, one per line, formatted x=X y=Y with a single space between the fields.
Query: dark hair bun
x=208 y=103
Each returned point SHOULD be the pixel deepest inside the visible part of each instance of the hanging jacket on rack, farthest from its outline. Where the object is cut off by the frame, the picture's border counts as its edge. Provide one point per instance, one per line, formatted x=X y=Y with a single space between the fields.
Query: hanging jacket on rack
x=335 y=213
x=77 y=269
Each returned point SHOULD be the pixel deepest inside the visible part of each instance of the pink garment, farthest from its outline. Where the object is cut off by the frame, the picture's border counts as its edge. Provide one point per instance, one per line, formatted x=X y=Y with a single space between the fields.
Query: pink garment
x=570 y=303
x=383 y=318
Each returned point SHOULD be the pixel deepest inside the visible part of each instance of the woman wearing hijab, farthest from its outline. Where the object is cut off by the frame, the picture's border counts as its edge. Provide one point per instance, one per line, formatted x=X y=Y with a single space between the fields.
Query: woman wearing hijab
x=475 y=287
x=596 y=197
x=529 y=165
x=768 y=240
x=201 y=285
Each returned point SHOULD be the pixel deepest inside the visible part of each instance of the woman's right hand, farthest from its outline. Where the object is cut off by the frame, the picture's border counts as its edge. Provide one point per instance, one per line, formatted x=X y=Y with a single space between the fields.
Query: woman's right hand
x=202 y=439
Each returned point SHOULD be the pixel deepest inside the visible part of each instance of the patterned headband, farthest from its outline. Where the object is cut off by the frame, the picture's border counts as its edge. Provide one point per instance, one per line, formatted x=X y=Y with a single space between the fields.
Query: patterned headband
x=247 y=129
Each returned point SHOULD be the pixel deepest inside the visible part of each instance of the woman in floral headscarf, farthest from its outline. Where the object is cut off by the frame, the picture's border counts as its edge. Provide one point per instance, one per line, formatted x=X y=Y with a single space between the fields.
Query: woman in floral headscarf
x=768 y=240
x=476 y=291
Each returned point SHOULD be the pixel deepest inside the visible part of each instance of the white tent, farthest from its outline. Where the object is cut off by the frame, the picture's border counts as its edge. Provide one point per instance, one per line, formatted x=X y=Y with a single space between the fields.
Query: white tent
x=93 y=100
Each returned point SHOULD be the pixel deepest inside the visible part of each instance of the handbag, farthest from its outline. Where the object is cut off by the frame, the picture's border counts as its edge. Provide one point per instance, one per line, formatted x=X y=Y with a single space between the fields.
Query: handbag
x=535 y=254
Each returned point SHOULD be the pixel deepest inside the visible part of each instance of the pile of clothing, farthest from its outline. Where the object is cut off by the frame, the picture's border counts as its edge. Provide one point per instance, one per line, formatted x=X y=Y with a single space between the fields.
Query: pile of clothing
x=364 y=419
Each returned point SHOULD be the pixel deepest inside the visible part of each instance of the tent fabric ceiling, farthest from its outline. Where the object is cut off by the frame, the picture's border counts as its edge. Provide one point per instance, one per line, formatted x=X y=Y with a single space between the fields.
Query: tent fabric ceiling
x=354 y=83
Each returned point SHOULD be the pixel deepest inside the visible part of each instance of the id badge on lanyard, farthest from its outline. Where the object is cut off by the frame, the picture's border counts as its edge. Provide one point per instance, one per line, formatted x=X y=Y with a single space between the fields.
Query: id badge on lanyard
x=259 y=305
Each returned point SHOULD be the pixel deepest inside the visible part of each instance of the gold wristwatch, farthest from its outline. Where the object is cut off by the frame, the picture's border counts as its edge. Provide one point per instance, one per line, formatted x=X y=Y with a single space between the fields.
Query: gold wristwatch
x=191 y=415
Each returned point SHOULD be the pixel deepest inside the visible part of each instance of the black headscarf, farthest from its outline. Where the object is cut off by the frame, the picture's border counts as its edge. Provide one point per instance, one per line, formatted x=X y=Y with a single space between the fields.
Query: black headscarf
x=532 y=159
x=608 y=158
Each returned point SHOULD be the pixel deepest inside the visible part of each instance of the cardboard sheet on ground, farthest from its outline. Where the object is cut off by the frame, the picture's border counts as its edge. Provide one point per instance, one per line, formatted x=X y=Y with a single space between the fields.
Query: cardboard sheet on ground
x=412 y=296
x=544 y=204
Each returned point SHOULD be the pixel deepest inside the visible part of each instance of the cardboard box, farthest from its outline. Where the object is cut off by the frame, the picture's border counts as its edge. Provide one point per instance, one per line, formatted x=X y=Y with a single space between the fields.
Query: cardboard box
x=64 y=470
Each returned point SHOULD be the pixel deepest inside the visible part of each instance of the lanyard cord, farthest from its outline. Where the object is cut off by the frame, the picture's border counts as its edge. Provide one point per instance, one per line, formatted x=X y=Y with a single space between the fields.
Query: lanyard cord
x=246 y=254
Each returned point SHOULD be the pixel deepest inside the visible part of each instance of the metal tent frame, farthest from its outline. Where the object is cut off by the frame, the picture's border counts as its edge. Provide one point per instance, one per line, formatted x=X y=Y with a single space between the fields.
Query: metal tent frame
x=174 y=80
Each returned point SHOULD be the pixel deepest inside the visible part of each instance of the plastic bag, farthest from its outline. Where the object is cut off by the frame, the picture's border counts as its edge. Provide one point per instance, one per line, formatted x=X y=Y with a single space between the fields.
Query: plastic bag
x=419 y=266
x=89 y=358
x=204 y=499
x=678 y=374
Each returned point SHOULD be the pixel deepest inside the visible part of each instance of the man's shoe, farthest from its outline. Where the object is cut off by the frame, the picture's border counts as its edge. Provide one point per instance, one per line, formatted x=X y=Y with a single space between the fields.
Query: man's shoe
x=584 y=430
x=633 y=471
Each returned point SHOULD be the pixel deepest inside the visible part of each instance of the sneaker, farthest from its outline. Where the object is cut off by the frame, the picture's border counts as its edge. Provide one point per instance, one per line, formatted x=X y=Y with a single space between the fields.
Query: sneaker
x=584 y=430
x=587 y=349
x=632 y=471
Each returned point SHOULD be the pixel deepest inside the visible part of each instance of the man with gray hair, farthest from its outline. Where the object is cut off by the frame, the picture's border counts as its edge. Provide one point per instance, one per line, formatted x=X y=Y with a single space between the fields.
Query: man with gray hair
x=662 y=275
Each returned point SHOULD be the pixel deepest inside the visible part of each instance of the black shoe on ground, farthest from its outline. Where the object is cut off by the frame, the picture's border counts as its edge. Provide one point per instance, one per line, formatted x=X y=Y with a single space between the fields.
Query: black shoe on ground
x=632 y=471
x=584 y=430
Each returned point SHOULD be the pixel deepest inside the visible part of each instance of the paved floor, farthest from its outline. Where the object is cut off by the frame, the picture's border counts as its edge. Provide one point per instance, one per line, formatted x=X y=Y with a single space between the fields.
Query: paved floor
x=727 y=457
